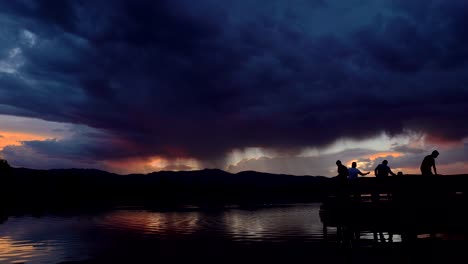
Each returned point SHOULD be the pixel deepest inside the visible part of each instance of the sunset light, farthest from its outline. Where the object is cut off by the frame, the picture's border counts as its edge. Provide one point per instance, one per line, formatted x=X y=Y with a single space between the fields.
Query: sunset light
x=265 y=131
x=16 y=138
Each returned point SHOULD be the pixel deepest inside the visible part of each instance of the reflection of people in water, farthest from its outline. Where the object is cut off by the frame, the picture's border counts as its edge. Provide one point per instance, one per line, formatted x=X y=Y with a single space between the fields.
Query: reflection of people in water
x=382 y=170
x=354 y=172
x=428 y=163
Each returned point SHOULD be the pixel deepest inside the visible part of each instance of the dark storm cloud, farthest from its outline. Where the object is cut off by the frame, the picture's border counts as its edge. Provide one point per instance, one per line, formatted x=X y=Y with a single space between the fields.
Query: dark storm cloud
x=179 y=78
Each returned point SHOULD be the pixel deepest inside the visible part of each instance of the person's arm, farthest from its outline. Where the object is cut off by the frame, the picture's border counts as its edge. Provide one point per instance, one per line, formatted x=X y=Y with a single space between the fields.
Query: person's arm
x=375 y=171
x=391 y=172
x=435 y=169
x=363 y=174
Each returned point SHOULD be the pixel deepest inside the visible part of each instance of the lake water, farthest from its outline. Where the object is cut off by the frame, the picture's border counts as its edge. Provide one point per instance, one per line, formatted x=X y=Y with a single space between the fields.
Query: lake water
x=125 y=235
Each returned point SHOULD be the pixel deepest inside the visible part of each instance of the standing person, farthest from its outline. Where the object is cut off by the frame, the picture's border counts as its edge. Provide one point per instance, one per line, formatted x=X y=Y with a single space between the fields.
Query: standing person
x=354 y=172
x=342 y=184
x=382 y=170
x=428 y=162
x=354 y=188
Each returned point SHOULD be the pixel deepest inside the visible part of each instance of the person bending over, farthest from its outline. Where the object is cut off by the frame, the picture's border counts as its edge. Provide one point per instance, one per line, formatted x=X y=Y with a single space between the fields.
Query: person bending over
x=383 y=170
x=428 y=163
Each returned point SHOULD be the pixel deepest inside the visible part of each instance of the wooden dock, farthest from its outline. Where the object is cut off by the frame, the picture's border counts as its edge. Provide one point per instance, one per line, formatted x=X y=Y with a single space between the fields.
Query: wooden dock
x=409 y=206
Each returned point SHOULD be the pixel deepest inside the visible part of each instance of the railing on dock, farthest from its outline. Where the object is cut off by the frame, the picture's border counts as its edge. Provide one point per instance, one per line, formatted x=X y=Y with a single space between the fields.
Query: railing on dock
x=409 y=206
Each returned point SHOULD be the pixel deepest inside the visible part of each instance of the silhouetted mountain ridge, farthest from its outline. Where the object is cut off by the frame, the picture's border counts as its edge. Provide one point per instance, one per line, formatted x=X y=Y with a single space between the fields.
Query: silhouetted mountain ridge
x=208 y=185
x=90 y=186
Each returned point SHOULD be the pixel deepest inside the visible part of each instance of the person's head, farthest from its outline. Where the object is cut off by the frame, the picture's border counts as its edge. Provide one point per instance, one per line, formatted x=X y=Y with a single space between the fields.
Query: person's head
x=354 y=165
x=338 y=162
x=385 y=162
x=435 y=153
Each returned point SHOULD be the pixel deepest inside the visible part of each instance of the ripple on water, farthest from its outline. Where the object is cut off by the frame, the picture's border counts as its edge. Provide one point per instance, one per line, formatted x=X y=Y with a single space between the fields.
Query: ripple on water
x=235 y=224
x=58 y=238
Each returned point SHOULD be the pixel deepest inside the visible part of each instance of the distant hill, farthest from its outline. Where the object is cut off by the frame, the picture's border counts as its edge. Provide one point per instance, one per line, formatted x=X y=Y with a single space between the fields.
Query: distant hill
x=89 y=187
x=84 y=186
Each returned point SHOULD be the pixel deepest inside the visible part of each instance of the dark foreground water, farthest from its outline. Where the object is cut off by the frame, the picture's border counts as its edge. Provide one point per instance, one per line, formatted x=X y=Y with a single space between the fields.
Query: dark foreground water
x=281 y=233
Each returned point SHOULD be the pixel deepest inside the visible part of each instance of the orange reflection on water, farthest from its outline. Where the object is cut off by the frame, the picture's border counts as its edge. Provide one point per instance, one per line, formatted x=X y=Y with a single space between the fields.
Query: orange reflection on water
x=155 y=223
x=18 y=251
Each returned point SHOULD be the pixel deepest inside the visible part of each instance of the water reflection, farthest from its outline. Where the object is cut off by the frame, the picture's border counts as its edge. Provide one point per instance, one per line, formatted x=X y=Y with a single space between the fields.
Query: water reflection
x=19 y=251
x=40 y=240
x=162 y=224
x=52 y=238
x=274 y=224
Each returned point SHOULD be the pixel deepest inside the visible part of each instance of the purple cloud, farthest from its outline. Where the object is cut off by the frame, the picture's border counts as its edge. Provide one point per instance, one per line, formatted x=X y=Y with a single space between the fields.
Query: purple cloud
x=175 y=78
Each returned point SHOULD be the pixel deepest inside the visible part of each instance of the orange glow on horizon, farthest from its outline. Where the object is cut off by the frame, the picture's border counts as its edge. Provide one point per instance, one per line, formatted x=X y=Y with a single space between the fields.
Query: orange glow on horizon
x=151 y=164
x=15 y=138
x=158 y=162
x=372 y=158
x=385 y=154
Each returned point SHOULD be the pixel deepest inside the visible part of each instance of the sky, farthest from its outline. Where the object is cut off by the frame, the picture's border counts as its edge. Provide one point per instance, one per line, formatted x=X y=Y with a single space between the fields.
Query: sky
x=267 y=85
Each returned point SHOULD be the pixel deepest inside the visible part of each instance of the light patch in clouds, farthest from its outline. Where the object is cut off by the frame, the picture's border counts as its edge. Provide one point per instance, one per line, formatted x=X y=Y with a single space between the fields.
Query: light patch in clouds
x=40 y=144
x=16 y=130
x=12 y=62
x=16 y=139
x=237 y=155
x=382 y=142
x=29 y=38
x=35 y=126
x=158 y=164
x=379 y=146
x=28 y=157
x=404 y=152
x=375 y=156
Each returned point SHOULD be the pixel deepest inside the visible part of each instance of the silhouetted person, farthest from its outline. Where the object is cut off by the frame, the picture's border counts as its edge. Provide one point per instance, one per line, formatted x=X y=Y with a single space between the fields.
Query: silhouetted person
x=428 y=162
x=353 y=175
x=342 y=181
x=382 y=170
x=342 y=171
x=354 y=172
